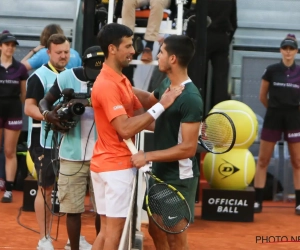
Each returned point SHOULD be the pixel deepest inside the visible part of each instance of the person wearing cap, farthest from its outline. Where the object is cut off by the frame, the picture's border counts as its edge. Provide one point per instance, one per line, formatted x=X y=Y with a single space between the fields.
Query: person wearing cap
x=2 y=157
x=13 y=76
x=4 y=32
x=38 y=56
x=77 y=144
x=279 y=93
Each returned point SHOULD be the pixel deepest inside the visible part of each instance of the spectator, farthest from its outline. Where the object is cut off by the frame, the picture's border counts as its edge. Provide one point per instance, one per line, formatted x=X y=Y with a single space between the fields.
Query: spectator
x=13 y=77
x=77 y=145
x=38 y=56
x=279 y=93
x=223 y=14
x=154 y=21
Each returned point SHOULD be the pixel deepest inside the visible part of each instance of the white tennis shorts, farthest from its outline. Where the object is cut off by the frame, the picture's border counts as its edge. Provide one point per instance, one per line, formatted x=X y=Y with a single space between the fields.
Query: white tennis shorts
x=113 y=191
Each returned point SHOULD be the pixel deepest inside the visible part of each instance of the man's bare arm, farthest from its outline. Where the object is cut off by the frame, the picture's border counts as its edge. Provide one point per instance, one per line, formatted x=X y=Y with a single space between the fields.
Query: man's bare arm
x=142 y=111
x=185 y=149
x=127 y=127
x=146 y=98
x=31 y=109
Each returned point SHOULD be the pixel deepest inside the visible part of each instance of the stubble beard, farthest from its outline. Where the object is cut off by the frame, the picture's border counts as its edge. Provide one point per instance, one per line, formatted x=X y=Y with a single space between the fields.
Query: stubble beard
x=59 y=65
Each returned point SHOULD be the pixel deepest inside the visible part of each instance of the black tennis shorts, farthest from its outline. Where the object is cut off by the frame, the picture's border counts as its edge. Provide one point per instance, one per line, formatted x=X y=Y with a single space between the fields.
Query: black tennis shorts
x=11 y=114
x=278 y=121
x=42 y=162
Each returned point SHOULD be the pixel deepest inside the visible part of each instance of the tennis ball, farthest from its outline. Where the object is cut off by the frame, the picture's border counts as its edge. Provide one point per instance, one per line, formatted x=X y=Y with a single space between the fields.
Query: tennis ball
x=233 y=170
x=30 y=166
x=244 y=120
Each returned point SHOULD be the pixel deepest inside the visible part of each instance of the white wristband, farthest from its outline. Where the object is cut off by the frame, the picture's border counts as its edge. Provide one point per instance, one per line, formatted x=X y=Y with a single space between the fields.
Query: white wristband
x=156 y=110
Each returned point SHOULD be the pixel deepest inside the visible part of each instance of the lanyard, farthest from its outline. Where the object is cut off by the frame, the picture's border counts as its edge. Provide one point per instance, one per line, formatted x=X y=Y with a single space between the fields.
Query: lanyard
x=52 y=68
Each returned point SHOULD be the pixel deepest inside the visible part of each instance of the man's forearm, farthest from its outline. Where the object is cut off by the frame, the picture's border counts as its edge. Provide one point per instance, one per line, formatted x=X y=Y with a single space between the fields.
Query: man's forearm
x=34 y=112
x=143 y=97
x=178 y=152
x=44 y=105
x=134 y=125
x=151 y=127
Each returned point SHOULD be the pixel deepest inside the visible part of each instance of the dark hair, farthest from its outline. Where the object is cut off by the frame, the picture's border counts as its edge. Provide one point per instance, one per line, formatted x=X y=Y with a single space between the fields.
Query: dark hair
x=56 y=39
x=112 y=34
x=182 y=47
x=4 y=32
x=48 y=31
x=292 y=36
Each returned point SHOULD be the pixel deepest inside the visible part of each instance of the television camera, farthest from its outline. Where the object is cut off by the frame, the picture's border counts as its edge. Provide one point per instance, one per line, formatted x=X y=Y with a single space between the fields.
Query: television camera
x=69 y=113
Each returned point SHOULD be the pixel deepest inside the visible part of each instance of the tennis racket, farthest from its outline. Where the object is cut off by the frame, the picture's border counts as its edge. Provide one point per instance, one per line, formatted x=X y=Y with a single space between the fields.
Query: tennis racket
x=166 y=206
x=217 y=133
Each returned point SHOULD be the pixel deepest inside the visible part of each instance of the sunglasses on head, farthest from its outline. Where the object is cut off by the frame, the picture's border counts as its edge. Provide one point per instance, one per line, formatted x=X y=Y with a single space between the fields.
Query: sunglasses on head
x=288 y=47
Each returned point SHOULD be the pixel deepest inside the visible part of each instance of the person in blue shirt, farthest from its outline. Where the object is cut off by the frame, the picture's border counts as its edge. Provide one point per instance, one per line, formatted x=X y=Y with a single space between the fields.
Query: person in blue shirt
x=38 y=56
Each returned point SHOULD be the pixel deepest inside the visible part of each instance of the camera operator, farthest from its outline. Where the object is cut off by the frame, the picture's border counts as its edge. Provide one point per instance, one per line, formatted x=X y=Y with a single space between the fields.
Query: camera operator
x=39 y=144
x=77 y=144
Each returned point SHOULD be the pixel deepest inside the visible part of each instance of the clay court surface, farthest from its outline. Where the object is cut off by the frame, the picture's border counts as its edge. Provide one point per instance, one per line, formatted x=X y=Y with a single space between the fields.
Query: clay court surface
x=277 y=221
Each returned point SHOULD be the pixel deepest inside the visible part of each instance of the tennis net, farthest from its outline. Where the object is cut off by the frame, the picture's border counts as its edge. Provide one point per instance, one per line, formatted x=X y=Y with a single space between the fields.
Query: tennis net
x=128 y=235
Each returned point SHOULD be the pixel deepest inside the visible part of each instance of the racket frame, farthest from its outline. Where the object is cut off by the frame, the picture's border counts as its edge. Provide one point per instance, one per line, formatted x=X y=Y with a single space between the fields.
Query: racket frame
x=160 y=182
x=134 y=150
x=202 y=143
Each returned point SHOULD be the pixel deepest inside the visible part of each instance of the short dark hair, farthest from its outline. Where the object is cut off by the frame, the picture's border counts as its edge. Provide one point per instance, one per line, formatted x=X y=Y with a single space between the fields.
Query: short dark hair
x=112 y=34
x=56 y=39
x=182 y=47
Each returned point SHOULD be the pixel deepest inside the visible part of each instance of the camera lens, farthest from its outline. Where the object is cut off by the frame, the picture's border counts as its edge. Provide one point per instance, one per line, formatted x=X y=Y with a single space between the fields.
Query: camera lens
x=77 y=108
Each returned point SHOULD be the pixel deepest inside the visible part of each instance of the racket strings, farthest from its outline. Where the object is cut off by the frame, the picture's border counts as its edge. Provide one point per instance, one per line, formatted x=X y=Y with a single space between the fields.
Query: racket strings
x=169 y=211
x=217 y=132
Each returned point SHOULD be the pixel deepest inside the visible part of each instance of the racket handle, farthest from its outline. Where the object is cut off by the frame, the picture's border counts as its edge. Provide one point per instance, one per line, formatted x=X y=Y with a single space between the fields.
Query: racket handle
x=133 y=150
x=146 y=168
x=131 y=146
